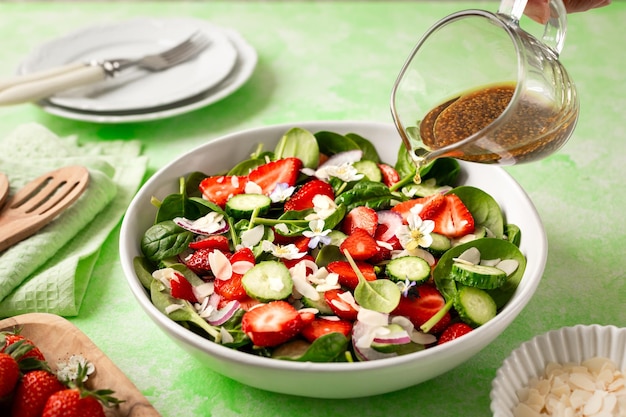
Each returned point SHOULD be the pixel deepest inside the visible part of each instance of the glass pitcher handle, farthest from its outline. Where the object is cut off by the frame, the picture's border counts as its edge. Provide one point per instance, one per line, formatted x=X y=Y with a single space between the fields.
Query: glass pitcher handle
x=554 y=30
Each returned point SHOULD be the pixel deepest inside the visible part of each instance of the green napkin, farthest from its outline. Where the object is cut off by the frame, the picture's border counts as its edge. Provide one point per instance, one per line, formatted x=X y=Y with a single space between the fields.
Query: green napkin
x=49 y=271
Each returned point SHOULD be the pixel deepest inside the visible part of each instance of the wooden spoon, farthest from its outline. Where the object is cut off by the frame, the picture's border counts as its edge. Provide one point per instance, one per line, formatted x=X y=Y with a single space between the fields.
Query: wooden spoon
x=39 y=202
x=4 y=188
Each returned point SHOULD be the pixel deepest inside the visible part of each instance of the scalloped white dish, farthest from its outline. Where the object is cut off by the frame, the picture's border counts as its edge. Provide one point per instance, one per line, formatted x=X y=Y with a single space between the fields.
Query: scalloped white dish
x=562 y=346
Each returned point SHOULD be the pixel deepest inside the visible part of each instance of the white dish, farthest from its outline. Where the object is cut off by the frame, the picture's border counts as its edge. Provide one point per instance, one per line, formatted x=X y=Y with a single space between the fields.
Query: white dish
x=136 y=88
x=330 y=380
x=566 y=345
x=244 y=67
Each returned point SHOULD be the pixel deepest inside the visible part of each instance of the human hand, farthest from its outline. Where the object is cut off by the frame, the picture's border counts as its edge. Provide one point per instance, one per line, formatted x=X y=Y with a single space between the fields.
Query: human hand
x=539 y=10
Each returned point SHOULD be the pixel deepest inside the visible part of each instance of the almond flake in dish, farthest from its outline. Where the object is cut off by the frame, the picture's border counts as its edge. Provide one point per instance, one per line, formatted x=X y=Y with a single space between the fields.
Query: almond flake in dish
x=594 y=388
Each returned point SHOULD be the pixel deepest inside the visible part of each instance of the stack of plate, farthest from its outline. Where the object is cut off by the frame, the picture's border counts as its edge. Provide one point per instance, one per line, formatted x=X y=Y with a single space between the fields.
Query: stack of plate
x=137 y=94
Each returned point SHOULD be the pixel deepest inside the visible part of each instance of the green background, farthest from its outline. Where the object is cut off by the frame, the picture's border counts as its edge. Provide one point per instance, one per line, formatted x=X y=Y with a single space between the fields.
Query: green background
x=337 y=61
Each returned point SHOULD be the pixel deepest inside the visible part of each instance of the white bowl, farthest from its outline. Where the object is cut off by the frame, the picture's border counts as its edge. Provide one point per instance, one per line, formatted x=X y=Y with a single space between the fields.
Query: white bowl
x=566 y=345
x=331 y=380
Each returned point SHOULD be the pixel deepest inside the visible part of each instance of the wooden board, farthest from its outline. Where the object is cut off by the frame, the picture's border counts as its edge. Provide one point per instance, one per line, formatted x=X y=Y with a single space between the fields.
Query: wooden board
x=58 y=339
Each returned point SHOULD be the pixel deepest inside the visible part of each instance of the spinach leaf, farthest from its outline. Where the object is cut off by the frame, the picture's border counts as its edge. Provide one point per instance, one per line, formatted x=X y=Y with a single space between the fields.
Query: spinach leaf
x=369 y=150
x=143 y=270
x=324 y=349
x=513 y=234
x=444 y=170
x=301 y=144
x=484 y=208
x=244 y=167
x=192 y=184
x=372 y=194
x=404 y=164
x=163 y=240
x=331 y=143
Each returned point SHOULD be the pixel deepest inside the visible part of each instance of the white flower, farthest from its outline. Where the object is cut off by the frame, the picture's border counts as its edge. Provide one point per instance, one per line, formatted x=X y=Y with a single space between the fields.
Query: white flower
x=68 y=371
x=323 y=207
x=416 y=233
x=282 y=192
x=345 y=172
x=289 y=251
x=405 y=286
x=317 y=234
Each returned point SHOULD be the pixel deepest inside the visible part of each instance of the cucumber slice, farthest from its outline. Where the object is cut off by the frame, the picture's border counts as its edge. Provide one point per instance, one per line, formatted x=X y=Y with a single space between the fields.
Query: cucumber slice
x=241 y=206
x=369 y=169
x=479 y=276
x=268 y=281
x=412 y=268
x=320 y=304
x=475 y=306
x=440 y=245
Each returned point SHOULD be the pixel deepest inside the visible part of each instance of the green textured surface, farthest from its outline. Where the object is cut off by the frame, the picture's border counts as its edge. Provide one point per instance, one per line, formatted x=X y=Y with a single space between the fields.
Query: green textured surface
x=333 y=60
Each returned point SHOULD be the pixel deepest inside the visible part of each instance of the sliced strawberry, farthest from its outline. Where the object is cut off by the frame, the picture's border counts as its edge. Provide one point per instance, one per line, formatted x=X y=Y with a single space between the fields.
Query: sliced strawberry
x=431 y=206
x=211 y=242
x=303 y=198
x=272 y=324
x=231 y=289
x=198 y=261
x=182 y=288
x=300 y=242
x=361 y=217
x=290 y=263
x=219 y=189
x=390 y=175
x=347 y=276
x=321 y=327
x=339 y=306
x=454 y=331
x=244 y=304
x=422 y=306
x=360 y=245
x=307 y=317
x=267 y=176
x=454 y=220
x=393 y=240
x=243 y=255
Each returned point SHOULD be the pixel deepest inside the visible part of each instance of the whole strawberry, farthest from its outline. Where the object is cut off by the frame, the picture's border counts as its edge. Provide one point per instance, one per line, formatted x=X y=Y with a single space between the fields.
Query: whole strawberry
x=9 y=374
x=32 y=393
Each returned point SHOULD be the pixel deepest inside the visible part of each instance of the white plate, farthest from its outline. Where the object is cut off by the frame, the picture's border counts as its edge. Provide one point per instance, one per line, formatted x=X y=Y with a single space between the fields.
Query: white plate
x=136 y=88
x=244 y=67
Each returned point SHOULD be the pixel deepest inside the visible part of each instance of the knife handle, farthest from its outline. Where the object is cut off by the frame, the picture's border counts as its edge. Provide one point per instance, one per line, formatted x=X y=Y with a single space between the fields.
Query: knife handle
x=36 y=86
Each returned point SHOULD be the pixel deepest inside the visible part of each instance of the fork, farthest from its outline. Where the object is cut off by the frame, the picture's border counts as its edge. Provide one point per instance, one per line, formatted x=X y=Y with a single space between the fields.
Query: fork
x=43 y=84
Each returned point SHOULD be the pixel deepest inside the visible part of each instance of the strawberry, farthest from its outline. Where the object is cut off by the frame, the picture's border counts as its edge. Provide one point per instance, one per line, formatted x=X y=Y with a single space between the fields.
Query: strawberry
x=454 y=220
x=290 y=263
x=232 y=288
x=244 y=304
x=360 y=245
x=272 y=324
x=361 y=217
x=198 y=261
x=267 y=176
x=422 y=306
x=347 y=276
x=430 y=206
x=390 y=175
x=303 y=198
x=307 y=317
x=9 y=374
x=182 y=289
x=341 y=308
x=14 y=337
x=454 y=331
x=69 y=403
x=32 y=393
x=211 y=242
x=219 y=189
x=243 y=255
x=301 y=242
x=393 y=240
x=321 y=327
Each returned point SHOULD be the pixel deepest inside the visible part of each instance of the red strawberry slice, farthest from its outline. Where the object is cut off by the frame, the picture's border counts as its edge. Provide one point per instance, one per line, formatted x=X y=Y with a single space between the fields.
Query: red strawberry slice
x=341 y=308
x=421 y=307
x=393 y=240
x=321 y=327
x=272 y=324
x=454 y=331
x=182 y=289
x=244 y=304
x=211 y=242
x=390 y=175
x=347 y=276
x=454 y=220
x=360 y=245
x=361 y=217
x=219 y=189
x=243 y=255
x=267 y=176
x=431 y=206
x=307 y=317
x=232 y=288
x=198 y=261
x=290 y=263
x=303 y=198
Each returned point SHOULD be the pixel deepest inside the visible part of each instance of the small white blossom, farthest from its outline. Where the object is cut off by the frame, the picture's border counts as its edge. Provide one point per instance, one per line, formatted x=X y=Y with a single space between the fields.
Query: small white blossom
x=317 y=234
x=68 y=371
x=323 y=207
x=405 y=286
x=416 y=233
x=282 y=192
x=289 y=251
x=345 y=172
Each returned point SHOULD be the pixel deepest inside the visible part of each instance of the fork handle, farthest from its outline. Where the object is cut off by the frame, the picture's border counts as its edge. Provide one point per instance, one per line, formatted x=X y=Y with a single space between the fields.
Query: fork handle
x=36 y=86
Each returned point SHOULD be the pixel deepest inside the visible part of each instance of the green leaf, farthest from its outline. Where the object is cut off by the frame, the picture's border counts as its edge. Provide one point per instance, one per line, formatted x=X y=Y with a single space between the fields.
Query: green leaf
x=444 y=170
x=143 y=269
x=324 y=349
x=513 y=234
x=484 y=208
x=244 y=167
x=301 y=144
x=331 y=143
x=163 y=240
x=192 y=184
x=369 y=150
x=380 y=295
x=375 y=195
